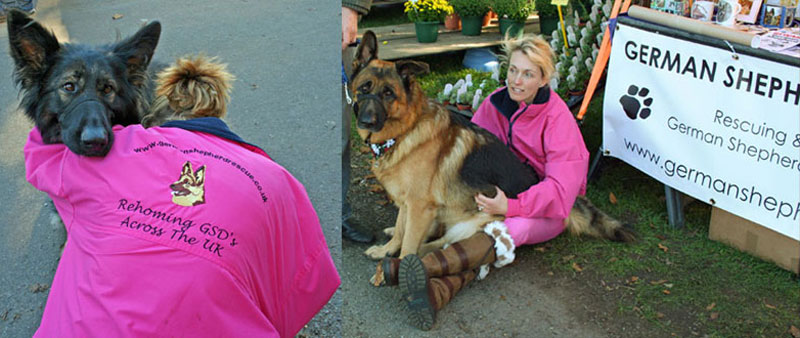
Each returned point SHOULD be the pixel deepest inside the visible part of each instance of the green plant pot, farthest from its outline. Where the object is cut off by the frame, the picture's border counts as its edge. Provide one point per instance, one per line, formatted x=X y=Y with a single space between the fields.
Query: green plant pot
x=547 y=25
x=427 y=32
x=513 y=28
x=471 y=25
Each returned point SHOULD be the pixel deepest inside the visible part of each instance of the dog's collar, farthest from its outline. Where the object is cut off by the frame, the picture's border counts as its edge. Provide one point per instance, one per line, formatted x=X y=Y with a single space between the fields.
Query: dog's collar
x=380 y=149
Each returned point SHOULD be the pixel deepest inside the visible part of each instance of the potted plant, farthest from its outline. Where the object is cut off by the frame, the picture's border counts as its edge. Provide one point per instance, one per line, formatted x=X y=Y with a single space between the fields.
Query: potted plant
x=512 y=15
x=472 y=13
x=548 y=16
x=452 y=21
x=426 y=15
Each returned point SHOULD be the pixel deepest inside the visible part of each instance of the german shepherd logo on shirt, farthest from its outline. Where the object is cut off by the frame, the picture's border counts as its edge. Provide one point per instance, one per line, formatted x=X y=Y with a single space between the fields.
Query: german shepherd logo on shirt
x=188 y=190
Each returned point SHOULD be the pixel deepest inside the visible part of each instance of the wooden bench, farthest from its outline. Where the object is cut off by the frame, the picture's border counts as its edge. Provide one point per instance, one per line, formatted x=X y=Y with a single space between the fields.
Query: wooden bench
x=387 y=2
x=401 y=41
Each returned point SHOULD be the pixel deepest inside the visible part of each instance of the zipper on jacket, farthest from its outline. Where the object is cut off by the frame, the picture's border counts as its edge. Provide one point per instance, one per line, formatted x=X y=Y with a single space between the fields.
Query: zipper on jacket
x=510 y=135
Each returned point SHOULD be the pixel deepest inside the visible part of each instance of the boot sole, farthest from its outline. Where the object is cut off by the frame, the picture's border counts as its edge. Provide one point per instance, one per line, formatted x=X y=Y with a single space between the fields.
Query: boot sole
x=414 y=283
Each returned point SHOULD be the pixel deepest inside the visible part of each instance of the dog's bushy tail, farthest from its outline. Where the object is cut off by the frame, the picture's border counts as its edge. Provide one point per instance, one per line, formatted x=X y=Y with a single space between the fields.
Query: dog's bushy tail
x=587 y=219
x=194 y=86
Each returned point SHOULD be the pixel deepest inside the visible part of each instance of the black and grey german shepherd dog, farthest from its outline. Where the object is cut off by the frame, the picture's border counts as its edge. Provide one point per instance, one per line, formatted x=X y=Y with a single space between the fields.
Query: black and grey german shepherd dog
x=75 y=93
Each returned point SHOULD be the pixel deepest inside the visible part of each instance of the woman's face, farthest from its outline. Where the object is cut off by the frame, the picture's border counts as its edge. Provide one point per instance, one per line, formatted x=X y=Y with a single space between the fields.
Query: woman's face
x=524 y=78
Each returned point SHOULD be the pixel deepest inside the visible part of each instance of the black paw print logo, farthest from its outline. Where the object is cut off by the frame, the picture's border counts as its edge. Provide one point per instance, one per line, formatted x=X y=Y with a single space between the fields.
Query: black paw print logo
x=632 y=105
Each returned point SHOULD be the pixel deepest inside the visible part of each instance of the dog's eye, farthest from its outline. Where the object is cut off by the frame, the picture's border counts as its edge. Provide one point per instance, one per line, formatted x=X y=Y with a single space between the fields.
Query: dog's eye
x=365 y=87
x=107 y=89
x=388 y=93
x=70 y=87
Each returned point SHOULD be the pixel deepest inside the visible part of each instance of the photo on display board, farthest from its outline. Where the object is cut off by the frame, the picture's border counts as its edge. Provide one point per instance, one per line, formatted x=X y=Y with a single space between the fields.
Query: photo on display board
x=773 y=16
x=679 y=7
x=750 y=10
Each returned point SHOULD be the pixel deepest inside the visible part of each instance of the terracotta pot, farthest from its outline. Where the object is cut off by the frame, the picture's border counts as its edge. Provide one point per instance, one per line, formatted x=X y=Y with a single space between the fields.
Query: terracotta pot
x=487 y=18
x=452 y=22
x=464 y=107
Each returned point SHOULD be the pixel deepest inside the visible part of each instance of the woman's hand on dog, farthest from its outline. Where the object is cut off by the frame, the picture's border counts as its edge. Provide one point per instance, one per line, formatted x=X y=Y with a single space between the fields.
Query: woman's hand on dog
x=493 y=206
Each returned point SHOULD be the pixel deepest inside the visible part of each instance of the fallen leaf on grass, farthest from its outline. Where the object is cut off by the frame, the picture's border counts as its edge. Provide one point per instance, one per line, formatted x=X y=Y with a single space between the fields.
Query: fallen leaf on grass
x=612 y=198
x=651 y=225
x=769 y=306
x=116 y=16
x=662 y=247
x=659 y=315
x=668 y=285
x=540 y=249
x=633 y=279
x=549 y=273
x=576 y=267
x=714 y=315
x=666 y=292
x=658 y=282
x=502 y=297
x=613 y=259
x=794 y=331
x=567 y=258
x=711 y=306
x=661 y=237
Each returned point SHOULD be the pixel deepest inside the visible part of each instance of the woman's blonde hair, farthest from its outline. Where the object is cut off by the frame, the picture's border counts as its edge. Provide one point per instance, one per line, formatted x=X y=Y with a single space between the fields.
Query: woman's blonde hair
x=535 y=48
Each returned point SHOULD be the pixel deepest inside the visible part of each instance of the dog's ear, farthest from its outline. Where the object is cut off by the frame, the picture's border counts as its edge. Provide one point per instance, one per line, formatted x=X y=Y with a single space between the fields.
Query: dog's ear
x=200 y=176
x=32 y=47
x=137 y=51
x=187 y=170
x=409 y=69
x=366 y=52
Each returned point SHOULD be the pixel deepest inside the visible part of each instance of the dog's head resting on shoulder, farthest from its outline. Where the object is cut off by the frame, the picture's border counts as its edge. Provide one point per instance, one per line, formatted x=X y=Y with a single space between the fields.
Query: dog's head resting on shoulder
x=194 y=86
x=75 y=93
x=385 y=91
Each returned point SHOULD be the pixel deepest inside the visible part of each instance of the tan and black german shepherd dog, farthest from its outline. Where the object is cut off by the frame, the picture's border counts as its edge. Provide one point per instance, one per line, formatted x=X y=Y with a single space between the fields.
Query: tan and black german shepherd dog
x=432 y=162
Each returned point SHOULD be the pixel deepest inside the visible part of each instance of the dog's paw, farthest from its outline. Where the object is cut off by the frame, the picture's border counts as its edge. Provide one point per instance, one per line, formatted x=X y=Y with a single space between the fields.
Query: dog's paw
x=389 y=231
x=377 y=252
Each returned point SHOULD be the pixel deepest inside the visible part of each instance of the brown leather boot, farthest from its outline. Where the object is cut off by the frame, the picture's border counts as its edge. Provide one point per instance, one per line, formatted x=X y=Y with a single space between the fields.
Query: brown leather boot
x=463 y=255
x=426 y=295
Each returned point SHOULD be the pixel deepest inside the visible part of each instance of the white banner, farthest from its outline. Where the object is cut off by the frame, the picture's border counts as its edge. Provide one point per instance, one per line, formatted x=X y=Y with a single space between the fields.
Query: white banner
x=720 y=128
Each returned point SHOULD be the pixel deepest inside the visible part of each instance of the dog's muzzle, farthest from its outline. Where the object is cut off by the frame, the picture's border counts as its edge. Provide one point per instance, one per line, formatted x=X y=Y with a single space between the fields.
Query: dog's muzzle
x=85 y=127
x=370 y=114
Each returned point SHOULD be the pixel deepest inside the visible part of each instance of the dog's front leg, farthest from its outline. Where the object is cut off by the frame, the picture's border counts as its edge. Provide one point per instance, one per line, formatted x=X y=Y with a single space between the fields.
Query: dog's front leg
x=390 y=248
x=420 y=219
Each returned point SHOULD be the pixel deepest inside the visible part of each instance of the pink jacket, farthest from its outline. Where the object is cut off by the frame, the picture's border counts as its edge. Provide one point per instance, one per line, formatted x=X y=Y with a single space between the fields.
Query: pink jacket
x=178 y=233
x=545 y=136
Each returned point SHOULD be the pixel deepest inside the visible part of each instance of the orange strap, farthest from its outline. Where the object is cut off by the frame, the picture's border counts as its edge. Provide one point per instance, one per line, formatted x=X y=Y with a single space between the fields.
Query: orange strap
x=602 y=59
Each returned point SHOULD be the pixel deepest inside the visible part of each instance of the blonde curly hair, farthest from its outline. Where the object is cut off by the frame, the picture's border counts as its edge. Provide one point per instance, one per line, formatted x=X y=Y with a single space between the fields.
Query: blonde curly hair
x=535 y=48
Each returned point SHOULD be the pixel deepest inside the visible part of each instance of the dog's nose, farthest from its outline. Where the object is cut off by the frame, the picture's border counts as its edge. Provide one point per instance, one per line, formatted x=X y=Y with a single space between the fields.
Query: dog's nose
x=94 y=139
x=367 y=120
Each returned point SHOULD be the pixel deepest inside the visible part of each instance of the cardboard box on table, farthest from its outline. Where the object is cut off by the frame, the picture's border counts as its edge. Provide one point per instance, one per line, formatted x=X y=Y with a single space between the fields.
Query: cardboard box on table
x=755 y=239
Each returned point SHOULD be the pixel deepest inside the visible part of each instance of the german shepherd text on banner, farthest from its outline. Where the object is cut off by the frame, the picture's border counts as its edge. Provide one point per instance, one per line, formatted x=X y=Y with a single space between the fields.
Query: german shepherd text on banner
x=721 y=129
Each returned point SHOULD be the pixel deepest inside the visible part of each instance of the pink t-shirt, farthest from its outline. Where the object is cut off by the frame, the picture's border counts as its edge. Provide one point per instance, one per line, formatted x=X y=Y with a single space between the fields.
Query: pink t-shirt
x=180 y=234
